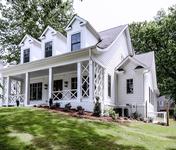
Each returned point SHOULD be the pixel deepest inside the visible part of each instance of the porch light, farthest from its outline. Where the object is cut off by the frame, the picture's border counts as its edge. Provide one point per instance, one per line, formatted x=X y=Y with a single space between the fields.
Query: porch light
x=46 y=86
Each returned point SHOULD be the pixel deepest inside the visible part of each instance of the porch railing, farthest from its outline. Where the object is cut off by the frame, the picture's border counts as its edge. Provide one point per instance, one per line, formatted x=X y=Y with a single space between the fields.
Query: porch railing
x=13 y=98
x=65 y=94
x=160 y=117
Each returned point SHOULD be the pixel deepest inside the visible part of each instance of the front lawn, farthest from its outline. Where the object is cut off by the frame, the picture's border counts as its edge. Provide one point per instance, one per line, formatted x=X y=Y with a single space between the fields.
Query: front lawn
x=32 y=128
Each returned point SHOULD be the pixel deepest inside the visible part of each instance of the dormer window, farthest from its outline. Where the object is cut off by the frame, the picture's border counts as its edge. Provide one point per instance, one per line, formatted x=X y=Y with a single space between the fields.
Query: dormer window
x=75 y=41
x=26 y=55
x=48 y=49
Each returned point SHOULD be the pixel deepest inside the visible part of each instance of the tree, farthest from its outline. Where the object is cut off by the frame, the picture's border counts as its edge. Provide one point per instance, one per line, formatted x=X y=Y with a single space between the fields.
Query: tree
x=29 y=17
x=159 y=36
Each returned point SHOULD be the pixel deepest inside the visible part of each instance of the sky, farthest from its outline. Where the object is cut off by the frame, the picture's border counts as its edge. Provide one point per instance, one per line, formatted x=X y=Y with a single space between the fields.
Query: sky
x=104 y=14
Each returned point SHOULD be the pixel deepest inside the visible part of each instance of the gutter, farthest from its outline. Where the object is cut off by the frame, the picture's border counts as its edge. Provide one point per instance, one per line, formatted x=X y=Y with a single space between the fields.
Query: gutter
x=48 y=59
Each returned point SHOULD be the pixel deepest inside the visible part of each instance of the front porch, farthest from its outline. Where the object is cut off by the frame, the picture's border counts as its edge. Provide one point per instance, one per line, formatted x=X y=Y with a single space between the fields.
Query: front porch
x=77 y=83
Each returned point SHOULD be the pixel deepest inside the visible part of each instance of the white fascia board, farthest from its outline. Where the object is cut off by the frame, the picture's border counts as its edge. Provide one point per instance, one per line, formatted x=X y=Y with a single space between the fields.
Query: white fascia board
x=129 y=44
x=106 y=49
x=47 y=28
x=33 y=40
x=54 y=61
x=72 y=20
x=133 y=60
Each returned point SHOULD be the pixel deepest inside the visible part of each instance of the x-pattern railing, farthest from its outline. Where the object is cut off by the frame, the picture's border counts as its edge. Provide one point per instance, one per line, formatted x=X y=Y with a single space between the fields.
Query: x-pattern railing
x=98 y=80
x=65 y=94
x=85 y=79
x=14 y=98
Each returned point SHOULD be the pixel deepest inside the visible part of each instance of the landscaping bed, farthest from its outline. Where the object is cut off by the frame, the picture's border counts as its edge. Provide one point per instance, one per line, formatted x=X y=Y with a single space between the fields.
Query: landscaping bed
x=86 y=115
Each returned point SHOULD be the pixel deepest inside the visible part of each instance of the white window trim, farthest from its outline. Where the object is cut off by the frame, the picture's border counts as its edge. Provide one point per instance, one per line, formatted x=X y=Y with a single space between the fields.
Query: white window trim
x=44 y=48
x=81 y=37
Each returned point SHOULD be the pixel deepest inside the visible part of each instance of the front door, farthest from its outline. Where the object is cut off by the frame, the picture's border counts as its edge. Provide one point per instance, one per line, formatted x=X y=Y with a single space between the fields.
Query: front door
x=58 y=87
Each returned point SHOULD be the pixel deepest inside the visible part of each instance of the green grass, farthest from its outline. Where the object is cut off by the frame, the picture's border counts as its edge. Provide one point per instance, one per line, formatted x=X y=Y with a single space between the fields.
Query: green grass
x=30 y=128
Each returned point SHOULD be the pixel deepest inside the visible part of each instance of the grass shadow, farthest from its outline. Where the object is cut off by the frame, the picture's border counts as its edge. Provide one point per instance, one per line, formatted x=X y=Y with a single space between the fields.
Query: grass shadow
x=54 y=131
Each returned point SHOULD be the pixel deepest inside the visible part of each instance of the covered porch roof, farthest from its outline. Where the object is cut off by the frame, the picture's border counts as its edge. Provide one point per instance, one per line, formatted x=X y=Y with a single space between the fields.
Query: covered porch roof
x=42 y=64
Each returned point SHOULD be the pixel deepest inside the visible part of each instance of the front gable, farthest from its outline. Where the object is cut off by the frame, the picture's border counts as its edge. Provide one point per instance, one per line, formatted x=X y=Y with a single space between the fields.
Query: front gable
x=57 y=40
x=129 y=63
x=49 y=32
x=27 y=40
x=76 y=18
x=34 y=47
x=88 y=35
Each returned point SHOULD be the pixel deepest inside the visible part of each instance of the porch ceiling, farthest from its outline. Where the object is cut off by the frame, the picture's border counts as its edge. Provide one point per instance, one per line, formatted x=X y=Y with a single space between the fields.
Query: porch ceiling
x=56 y=70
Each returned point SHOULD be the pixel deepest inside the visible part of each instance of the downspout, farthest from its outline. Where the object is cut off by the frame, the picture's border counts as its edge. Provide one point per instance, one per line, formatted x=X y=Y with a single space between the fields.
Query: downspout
x=90 y=59
x=145 y=102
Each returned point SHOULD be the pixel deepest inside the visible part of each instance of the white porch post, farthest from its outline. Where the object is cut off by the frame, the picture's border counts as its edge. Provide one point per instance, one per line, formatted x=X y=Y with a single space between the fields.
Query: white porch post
x=27 y=83
x=8 y=91
x=79 y=82
x=91 y=83
x=2 y=92
x=50 y=83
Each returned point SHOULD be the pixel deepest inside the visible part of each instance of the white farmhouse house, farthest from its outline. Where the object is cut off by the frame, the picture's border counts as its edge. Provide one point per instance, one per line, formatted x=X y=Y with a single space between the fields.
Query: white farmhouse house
x=80 y=67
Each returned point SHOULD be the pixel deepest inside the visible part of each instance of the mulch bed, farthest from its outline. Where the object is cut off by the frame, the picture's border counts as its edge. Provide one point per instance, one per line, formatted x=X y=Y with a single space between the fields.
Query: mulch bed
x=86 y=115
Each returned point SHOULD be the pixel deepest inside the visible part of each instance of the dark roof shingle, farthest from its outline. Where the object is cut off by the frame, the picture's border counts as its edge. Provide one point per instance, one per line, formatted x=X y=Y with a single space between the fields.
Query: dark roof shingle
x=108 y=36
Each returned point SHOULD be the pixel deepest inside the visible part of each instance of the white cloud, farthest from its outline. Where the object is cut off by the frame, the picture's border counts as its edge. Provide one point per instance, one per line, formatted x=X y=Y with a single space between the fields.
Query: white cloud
x=103 y=14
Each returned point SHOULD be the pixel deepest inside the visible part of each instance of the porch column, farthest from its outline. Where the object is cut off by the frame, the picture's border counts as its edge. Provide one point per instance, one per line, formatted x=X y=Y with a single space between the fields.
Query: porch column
x=91 y=82
x=2 y=92
x=27 y=83
x=79 y=82
x=8 y=91
x=50 y=83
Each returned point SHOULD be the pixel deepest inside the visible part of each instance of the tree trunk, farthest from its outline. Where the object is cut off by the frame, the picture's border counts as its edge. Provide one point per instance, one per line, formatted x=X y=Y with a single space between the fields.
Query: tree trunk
x=167 y=114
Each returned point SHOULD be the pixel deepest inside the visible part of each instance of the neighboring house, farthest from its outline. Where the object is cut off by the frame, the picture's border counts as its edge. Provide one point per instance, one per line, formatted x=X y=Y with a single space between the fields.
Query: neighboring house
x=80 y=67
x=163 y=102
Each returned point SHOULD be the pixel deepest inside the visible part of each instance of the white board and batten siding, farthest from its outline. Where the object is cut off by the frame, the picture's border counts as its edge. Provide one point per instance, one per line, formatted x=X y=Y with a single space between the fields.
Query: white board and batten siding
x=58 y=43
x=87 y=38
x=135 y=99
x=111 y=59
x=148 y=84
x=35 y=49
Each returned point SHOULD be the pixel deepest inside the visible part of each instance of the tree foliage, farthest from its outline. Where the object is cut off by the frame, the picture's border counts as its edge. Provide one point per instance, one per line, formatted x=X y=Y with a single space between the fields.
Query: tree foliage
x=159 y=36
x=20 y=17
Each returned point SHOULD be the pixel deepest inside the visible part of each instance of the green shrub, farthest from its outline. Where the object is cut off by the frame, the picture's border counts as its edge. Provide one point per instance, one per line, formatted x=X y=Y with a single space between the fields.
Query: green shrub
x=136 y=115
x=80 y=110
x=67 y=107
x=97 y=108
x=112 y=114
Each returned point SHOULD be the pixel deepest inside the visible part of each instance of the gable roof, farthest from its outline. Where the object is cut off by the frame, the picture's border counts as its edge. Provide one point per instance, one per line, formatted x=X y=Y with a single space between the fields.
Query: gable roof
x=109 y=35
x=54 y=32
x=133 y=60
x=146 y=58
x=30 y=37
x=82 y=23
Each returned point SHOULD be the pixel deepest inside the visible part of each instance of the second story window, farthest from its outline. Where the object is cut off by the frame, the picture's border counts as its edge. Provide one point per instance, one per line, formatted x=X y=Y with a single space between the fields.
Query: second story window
x=129 y=86
x=26 y=55
x=48 y=49
x=75 y=41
